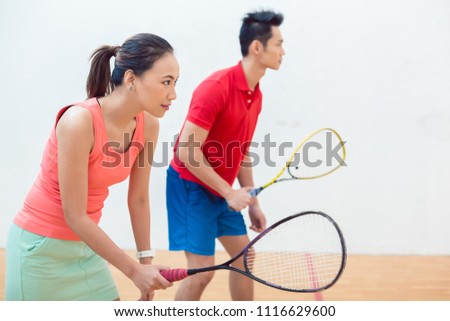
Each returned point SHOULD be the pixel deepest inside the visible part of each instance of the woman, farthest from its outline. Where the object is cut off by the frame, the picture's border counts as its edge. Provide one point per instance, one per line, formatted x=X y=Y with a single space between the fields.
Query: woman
x=55 y=249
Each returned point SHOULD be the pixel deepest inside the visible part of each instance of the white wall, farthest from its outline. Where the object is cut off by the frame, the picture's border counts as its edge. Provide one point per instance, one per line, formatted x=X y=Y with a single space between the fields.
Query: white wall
x=377 y=71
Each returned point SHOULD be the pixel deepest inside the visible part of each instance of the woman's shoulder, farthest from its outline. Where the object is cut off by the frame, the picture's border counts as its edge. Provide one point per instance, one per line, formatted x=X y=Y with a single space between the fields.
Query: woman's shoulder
x=76 y=120
x=77 y=113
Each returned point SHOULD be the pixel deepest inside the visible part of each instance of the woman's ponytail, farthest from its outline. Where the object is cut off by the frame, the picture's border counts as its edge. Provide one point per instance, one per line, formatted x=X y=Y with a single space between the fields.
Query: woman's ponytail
x=99 y=83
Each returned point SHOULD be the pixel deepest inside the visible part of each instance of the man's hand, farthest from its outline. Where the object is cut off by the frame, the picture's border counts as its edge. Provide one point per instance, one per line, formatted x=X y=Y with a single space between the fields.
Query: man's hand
x=238 y=199
x=257 y=218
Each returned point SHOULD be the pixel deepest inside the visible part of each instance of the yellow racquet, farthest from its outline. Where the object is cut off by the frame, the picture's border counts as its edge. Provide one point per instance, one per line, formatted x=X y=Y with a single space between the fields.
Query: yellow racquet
x=319 y=154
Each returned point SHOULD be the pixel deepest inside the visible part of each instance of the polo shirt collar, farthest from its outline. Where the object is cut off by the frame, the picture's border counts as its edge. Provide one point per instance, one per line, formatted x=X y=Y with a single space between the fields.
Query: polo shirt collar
x=241 y=81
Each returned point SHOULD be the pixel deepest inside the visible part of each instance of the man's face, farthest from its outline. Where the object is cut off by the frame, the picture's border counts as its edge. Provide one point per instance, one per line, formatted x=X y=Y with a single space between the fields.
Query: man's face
x=273 y=51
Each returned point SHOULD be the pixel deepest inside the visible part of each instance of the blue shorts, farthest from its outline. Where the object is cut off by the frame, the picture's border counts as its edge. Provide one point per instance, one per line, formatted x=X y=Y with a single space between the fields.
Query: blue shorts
x=196 y=217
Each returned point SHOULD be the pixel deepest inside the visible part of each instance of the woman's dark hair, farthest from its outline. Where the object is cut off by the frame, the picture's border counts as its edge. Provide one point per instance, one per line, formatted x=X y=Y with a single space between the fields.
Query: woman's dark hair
x=137 y=53
x=257 y=25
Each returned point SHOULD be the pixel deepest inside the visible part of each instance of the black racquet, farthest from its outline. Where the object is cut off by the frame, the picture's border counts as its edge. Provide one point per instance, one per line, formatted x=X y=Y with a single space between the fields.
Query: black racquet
x=304 y=252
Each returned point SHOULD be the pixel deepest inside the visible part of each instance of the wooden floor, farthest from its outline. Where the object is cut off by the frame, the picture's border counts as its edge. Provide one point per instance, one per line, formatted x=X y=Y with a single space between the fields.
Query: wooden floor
x=366 y=278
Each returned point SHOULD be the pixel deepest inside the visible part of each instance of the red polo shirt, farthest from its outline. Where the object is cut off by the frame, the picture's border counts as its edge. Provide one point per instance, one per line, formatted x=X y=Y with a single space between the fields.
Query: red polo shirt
x=224 y=105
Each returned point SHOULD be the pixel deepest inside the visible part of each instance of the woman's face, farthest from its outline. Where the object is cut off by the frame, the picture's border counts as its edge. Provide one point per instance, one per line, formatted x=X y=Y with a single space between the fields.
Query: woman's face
x=155 y=88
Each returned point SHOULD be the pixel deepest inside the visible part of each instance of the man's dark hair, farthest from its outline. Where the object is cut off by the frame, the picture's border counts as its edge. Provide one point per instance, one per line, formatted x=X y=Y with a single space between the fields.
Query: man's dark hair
x=257 y=25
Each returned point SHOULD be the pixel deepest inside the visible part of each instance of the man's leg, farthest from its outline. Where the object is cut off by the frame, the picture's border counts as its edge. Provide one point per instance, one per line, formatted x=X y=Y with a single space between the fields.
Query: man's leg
x=192 y=221
x=241 y=287
x=191 y=288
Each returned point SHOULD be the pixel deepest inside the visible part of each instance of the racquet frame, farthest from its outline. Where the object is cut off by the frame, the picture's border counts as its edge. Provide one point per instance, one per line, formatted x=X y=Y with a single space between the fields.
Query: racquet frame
x=254 y=192
x=244 y=252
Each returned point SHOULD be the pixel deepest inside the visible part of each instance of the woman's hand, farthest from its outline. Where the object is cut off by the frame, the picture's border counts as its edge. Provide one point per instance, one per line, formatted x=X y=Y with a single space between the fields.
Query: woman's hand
x=147 y=279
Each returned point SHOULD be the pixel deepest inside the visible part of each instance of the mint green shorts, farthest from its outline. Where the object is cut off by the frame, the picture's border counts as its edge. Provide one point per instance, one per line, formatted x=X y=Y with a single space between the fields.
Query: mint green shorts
x=40 y=268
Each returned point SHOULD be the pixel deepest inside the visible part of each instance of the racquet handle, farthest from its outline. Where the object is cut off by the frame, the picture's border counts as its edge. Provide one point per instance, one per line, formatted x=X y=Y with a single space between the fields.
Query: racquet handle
x=254 y=192
x=174 y=274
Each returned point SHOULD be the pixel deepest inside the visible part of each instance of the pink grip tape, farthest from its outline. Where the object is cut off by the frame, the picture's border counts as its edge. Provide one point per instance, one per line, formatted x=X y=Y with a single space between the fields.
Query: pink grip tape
x=174 y=275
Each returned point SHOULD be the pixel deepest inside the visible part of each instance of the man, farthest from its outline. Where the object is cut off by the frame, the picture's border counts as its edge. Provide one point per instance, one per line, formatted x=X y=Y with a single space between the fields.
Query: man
x=212 y=151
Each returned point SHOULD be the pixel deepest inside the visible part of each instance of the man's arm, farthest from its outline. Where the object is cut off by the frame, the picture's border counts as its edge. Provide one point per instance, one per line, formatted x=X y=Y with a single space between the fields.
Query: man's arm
x=190 y=153
x=245 y=178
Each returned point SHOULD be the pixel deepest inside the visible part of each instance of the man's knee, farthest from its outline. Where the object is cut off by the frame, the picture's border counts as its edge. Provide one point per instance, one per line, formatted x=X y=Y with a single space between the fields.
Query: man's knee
x=201 y=280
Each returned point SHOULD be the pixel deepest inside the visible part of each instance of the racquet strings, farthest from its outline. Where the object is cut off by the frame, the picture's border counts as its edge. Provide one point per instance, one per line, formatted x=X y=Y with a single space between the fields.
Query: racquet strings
x=305 y=253
x=320 y=154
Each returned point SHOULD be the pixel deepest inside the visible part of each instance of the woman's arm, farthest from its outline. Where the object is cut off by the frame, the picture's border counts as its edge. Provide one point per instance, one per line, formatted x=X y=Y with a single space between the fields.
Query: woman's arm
x=75 y=140
x=138 y=191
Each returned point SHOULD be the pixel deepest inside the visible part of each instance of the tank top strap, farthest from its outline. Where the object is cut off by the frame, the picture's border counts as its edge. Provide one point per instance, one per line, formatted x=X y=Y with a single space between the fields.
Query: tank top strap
x=139 y=135
x=94 y=108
